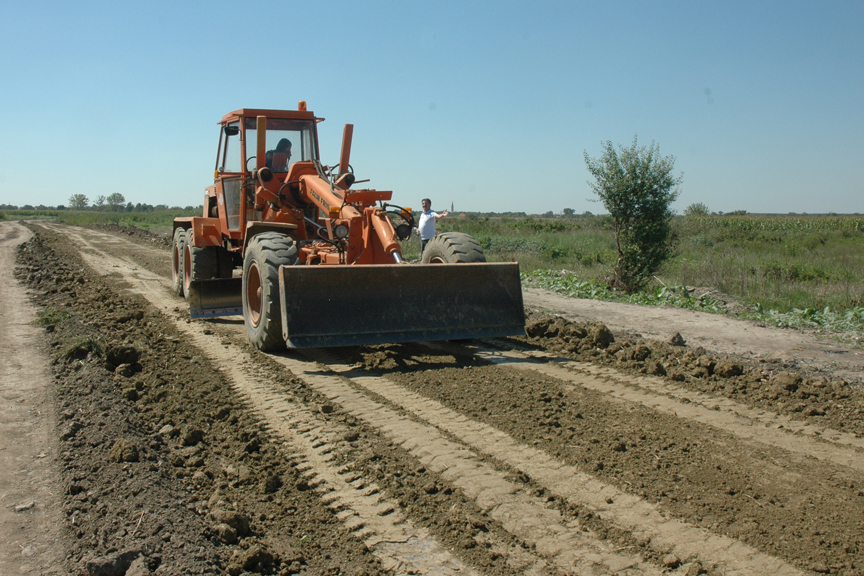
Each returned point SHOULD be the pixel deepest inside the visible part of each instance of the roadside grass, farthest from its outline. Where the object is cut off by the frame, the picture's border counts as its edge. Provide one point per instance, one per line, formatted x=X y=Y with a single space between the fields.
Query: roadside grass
x=156 y=221
x=79 y=348
x=51 y=316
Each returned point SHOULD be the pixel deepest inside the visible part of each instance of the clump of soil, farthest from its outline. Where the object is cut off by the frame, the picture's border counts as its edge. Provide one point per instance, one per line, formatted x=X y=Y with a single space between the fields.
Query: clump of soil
x=833 y=403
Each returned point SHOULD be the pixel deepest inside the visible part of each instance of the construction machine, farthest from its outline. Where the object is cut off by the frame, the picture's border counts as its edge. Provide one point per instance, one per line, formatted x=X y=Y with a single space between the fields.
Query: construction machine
x=308 y=260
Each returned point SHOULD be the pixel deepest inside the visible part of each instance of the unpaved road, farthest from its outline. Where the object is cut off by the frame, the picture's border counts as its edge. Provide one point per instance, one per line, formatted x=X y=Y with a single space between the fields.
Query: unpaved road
x=29 y=514
x=183 y=450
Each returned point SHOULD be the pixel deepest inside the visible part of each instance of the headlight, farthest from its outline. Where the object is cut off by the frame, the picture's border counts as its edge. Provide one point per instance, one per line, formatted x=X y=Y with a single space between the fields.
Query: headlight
x=340 y=231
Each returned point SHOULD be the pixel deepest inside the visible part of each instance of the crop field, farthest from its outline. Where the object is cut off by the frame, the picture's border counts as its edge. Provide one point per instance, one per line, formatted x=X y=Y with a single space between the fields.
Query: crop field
x=800 y=271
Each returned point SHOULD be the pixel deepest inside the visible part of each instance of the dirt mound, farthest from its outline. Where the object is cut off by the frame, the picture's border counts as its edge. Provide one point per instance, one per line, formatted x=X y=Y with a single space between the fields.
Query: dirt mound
x=832 y=403
x=136 y=233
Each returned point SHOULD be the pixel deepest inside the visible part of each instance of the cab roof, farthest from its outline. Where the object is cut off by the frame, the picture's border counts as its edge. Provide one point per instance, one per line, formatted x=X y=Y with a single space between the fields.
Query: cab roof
x=254 y=112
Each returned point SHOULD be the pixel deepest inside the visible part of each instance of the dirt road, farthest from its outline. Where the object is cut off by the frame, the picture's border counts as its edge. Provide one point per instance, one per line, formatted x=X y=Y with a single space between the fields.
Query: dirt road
x=28 y=480
x=183 y=450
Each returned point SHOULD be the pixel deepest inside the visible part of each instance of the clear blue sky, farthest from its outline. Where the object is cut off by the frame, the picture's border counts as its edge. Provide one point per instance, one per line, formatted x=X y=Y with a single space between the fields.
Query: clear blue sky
x=488 y=105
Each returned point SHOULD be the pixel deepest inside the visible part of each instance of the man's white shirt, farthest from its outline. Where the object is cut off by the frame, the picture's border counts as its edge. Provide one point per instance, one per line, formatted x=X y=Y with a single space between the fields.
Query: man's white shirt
x=427 y=225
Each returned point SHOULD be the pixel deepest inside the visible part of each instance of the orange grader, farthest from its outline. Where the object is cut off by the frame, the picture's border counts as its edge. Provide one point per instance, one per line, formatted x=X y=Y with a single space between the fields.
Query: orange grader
x=307 y=260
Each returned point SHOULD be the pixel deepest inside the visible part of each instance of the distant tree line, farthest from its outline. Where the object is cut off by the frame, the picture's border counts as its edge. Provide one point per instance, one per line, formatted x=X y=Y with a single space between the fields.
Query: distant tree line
x=112 y=203
x=115 y=202
x=31 y=207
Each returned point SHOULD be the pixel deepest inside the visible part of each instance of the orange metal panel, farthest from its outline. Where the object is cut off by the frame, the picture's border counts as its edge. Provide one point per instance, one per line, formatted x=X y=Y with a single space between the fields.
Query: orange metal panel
x=368 y=196
x=206 y=232
x=345 y=156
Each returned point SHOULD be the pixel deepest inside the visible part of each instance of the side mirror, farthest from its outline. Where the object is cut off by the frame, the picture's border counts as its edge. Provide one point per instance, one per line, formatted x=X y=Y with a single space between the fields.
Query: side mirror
x=231 y=130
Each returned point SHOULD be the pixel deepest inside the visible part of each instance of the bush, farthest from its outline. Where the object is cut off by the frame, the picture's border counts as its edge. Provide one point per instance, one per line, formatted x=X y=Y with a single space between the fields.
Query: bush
x=697 y=209
x=636 y=186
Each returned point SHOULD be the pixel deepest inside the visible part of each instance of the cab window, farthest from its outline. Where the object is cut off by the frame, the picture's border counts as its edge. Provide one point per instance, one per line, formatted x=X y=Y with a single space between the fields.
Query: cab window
x=287 y=141
x=230 y=159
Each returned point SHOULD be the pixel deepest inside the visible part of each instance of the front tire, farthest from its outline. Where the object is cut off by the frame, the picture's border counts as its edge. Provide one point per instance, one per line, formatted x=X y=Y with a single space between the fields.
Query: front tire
x=177 y=265
x=452 y=248
x=199 y=263
x=262 y=312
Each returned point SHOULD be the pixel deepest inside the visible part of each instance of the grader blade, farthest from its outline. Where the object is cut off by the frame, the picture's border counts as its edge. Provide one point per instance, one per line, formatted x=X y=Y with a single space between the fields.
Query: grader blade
x=212 y=298
x=377 y=304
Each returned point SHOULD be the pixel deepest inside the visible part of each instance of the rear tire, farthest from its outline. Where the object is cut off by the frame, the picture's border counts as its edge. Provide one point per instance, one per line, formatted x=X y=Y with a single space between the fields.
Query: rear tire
x=452 y=248
x=177 y=265
x=199 y=263
x=262 y=311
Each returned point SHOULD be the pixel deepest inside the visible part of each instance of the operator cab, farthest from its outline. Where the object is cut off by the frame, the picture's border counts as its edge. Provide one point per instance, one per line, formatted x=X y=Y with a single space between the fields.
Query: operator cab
x=291 y=137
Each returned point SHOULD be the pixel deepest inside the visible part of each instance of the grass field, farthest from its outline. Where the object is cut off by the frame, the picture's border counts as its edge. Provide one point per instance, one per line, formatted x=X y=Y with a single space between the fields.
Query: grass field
x=801 y=271
x=795 y=270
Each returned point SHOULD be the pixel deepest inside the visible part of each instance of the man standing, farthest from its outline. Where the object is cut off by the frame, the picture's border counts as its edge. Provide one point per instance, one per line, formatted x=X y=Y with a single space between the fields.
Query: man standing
x=426 y=227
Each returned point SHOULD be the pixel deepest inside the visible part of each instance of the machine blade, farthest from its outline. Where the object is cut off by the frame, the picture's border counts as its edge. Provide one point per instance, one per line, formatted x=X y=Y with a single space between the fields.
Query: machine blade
x=212 y=298
x=376 y=304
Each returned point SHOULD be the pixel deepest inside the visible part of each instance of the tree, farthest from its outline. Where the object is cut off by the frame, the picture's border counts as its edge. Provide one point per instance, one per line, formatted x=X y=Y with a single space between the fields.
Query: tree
x=569 y=212
x=116 y=201
x=99 y=202
x=78 y=201
x=636 y=186
x=697 y=209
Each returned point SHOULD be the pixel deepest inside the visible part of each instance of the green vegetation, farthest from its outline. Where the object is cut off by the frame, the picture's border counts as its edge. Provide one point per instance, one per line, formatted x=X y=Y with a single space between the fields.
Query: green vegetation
x=51 y=316
x=637 y=187
x=80 y=348
x=799 y=271
x=778 y=262
x=156 y=219
x=697 y=209
x=162 y=218
x=850 y=320
x=78 y=202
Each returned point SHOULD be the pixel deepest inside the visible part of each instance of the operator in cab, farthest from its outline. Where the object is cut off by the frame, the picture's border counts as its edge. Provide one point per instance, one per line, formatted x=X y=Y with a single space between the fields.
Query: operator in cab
x=277 y=160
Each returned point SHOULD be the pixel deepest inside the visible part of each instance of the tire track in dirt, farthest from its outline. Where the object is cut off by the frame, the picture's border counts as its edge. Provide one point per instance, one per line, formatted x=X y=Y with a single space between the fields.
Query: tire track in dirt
x=523 y=515
x=401 y=546
x=758 y=426
x=629 y=512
